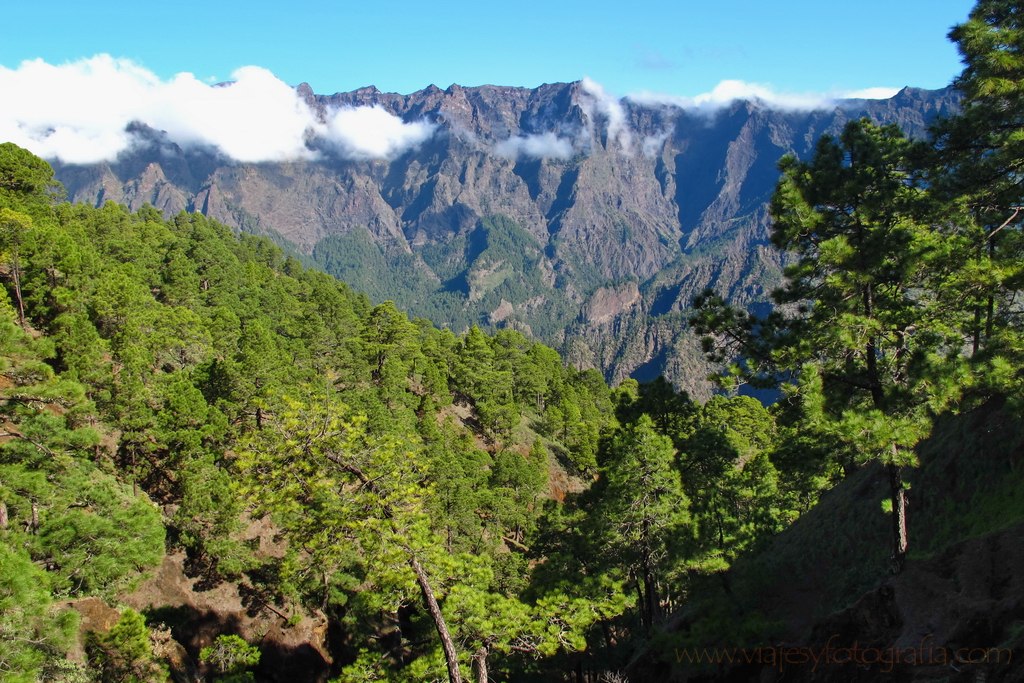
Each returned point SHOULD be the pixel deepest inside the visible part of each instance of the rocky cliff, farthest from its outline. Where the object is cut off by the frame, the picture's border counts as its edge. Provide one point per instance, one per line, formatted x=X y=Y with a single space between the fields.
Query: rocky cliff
x=585 y=220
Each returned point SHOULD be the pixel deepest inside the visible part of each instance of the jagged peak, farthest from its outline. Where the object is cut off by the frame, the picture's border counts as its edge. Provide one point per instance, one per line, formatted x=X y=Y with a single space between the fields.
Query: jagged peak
x=366 y=90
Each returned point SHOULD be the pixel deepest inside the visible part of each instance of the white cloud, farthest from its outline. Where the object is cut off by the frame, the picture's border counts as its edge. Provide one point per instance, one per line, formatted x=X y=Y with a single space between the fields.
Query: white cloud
x=78 y=112
x=64 y=112
x=256 y=118
x=374 y=133
x=729 y=91
x=611 y=109
x=652 y=144
x=871 y=94
x=542 y=146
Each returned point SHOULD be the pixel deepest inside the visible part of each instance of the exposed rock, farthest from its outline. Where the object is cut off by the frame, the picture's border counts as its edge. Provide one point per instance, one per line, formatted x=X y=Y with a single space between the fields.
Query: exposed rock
x=608 y=303
x=95 y=614
x=501 y=313
x=673 y=199
x=196 y=617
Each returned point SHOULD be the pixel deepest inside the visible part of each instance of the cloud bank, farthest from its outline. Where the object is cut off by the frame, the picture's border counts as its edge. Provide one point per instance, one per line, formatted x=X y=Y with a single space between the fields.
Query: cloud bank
x=729 y=91
x=601 y=104
x=373 y=133
x=80 y=113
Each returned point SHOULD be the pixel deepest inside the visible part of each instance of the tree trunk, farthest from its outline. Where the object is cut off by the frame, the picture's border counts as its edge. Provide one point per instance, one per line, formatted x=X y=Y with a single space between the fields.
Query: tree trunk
x=451 y=657
x=16 y=275
x=870 y=353
x=990 y=308
x=899 y=517
x=653 y=603
x=33 y=523
x=641 y=603
x=607 y=635
x=480 y=665
x=849 y=468
x=650 y=585
x=976 y=332
x=4 y=519
x=989 y=315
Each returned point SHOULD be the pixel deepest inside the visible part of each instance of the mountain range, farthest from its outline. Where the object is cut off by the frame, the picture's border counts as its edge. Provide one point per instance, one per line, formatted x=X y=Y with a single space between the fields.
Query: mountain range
x=585 y=220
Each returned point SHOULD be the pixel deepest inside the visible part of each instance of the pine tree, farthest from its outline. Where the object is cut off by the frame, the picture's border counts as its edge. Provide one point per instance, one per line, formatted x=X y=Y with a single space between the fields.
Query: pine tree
x=730 y=479
x=979 y=155
x=643 y=510
x=860 y=310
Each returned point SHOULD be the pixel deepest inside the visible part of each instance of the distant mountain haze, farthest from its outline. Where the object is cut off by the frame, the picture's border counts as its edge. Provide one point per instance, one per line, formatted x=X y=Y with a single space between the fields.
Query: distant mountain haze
x=585 y=220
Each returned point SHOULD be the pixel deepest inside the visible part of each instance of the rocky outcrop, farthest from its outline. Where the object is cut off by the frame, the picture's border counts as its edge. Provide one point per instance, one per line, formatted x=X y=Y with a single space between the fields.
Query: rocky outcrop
x=609 y=303
x=294 y=644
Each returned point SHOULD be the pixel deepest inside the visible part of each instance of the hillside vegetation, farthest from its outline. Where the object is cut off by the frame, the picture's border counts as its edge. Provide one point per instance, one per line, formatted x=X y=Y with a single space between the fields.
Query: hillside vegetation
x=168 y=384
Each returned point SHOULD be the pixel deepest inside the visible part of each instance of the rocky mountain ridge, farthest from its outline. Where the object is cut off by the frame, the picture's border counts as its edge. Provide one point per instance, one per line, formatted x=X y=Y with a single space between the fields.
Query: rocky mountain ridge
x=583 y=219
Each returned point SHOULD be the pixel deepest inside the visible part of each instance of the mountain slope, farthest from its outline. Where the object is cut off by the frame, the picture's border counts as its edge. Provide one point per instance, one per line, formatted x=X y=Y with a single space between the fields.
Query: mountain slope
x=587 y=221
x=823 y=582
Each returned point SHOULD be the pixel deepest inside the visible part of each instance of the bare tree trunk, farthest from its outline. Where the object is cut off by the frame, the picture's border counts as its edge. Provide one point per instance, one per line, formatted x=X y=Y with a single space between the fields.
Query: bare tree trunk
x=33 y=524
x=976 y=332
x=4 y=518
x=896 y=491
x=17 y=293
x=451 y=657
x=990 y=308
x=640 y=602
x=899 y=518
x=989 y=315
x=480 y=665
x=653 y=603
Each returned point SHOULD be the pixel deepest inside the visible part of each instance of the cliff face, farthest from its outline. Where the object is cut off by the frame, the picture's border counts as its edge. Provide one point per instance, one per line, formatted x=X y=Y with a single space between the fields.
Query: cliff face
x=587 y=221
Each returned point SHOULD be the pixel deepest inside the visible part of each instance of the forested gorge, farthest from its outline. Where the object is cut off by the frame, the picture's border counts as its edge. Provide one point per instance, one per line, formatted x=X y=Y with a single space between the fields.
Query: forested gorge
x=166 y=381
x=463 y=506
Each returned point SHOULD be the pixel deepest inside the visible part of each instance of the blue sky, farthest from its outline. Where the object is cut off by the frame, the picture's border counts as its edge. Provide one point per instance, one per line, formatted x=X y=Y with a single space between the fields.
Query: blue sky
x=75 y=77
x=681 y=47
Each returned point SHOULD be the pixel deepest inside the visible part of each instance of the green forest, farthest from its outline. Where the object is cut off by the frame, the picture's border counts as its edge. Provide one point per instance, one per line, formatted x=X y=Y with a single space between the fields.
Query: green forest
x=447 y=505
